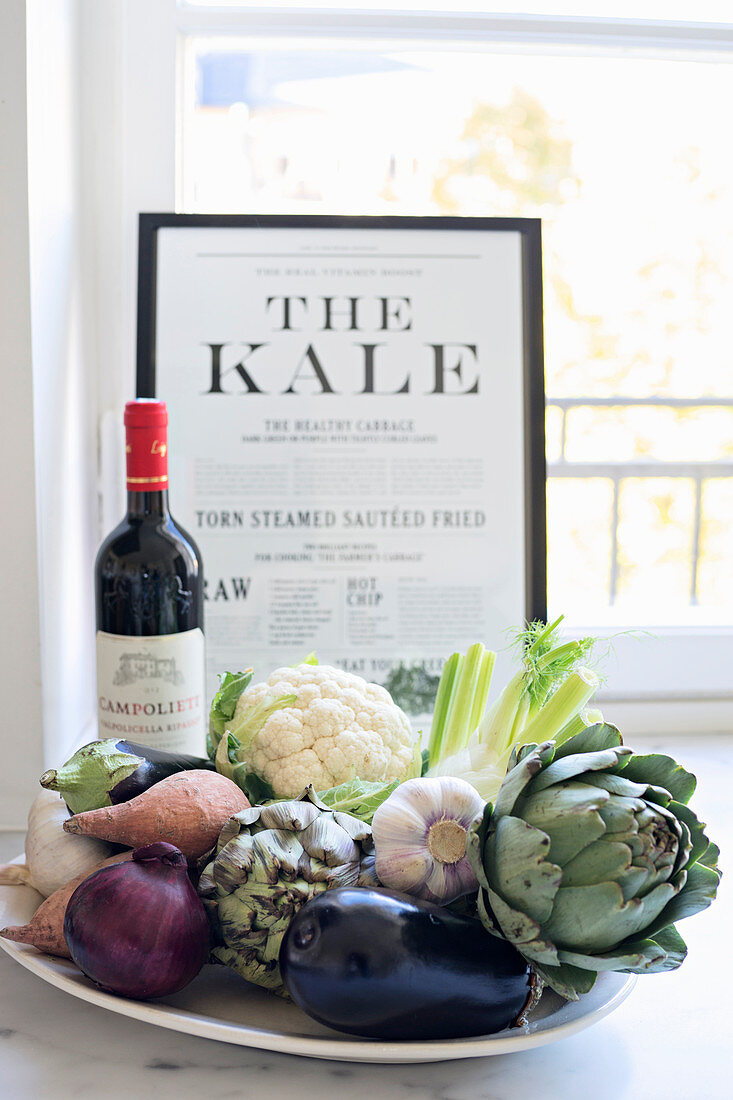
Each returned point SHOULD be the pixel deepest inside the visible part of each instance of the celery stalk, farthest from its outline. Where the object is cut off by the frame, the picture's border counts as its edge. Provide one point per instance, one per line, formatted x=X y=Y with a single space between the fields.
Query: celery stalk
x=496 y=725
x=586 y=717
x=460 y=701
x=559 y=653
x=488 y=660
x=468 y=685
x=543 y=701
x=441 y=709
x=548 y=669
x=521 y=718
x=543 y=633
x=571 y=696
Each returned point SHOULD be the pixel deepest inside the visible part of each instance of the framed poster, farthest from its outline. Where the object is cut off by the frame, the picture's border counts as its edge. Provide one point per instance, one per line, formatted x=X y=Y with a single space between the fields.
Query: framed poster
x=356 y=432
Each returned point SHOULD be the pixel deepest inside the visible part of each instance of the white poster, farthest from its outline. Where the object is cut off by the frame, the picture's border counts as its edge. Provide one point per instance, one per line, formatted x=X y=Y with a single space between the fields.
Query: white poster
x=347 y=437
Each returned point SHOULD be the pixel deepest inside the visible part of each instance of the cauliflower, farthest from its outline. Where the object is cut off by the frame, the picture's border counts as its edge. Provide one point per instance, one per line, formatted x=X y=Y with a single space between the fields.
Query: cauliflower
x=338 y=728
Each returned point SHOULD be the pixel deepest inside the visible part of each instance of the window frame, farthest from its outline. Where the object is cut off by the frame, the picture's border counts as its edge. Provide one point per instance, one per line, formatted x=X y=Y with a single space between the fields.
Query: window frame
x=678 y=679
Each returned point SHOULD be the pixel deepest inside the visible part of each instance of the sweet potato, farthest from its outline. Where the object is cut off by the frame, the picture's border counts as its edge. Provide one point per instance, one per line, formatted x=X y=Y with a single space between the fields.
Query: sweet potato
x=45 y=929
x=188 y=809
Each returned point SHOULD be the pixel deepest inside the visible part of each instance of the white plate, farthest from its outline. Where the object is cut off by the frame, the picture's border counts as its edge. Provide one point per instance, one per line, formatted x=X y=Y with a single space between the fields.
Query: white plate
x=219 y=1005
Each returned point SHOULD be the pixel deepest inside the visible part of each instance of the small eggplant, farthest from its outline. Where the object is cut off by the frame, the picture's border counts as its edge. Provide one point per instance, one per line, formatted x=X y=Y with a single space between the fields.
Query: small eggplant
x=105 y=773
x=388 y=966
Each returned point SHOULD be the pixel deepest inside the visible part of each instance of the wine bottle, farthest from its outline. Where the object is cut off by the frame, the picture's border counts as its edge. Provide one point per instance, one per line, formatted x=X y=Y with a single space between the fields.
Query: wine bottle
x=149 y=600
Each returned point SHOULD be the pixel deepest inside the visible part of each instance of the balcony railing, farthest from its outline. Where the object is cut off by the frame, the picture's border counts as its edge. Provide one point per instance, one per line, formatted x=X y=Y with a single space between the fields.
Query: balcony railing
x=618 y=472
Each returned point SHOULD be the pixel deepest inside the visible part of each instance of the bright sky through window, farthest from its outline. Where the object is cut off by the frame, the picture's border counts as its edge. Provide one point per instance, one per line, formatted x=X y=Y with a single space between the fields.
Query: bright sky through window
x=713 y=11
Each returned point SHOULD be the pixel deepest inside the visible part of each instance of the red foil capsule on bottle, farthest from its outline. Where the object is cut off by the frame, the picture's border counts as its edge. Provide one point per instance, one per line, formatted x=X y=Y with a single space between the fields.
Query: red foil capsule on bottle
x=146 y=431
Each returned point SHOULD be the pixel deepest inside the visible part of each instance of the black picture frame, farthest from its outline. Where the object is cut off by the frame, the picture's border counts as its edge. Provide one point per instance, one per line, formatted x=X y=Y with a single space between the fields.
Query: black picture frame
x=529 y=229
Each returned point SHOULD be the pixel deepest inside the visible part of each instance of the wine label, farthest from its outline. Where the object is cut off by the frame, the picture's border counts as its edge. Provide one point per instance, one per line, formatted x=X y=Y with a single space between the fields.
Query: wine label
x=151 y=690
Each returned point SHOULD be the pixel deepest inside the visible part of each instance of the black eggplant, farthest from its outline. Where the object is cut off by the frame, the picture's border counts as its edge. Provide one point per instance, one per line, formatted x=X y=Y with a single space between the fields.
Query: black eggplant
x=104 y=773
x=385 y=965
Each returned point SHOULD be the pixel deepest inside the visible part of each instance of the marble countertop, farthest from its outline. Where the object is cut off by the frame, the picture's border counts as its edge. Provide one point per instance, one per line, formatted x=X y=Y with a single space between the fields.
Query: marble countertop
x=670 y=1039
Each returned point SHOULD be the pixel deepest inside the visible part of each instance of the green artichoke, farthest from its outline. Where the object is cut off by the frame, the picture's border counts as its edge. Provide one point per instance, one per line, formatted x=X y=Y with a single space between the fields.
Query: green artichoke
x=589 y=857
x=270 y=861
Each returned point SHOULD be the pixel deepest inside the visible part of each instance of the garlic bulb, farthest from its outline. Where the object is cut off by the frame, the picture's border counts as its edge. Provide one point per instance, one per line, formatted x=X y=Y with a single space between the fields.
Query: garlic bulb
x=420 y=835
x=52 y=856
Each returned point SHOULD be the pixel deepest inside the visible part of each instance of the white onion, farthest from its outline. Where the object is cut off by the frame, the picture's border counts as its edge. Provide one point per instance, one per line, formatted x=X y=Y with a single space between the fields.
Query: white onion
x=52 y=856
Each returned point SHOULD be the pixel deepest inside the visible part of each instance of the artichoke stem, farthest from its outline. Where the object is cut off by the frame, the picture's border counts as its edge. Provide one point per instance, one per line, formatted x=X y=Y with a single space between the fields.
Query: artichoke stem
x=536 y=985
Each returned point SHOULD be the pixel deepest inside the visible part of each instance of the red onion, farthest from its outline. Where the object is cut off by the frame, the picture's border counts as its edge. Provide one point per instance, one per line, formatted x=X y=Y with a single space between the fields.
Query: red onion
x=139 y=928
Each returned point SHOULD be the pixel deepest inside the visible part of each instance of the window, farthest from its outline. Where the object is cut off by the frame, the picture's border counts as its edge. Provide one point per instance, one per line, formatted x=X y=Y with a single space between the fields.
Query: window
x=613 y=131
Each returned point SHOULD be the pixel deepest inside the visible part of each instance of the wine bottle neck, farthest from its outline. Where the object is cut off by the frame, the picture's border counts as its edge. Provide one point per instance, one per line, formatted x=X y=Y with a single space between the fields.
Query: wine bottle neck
x=146 y=436
x=151 y=505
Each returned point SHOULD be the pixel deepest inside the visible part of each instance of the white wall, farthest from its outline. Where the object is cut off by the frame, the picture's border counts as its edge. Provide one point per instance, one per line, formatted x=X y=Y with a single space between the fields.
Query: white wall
x=100 y=104
x=65 y=381
x=128 y=87
x=20 y=660
x=49 y=410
